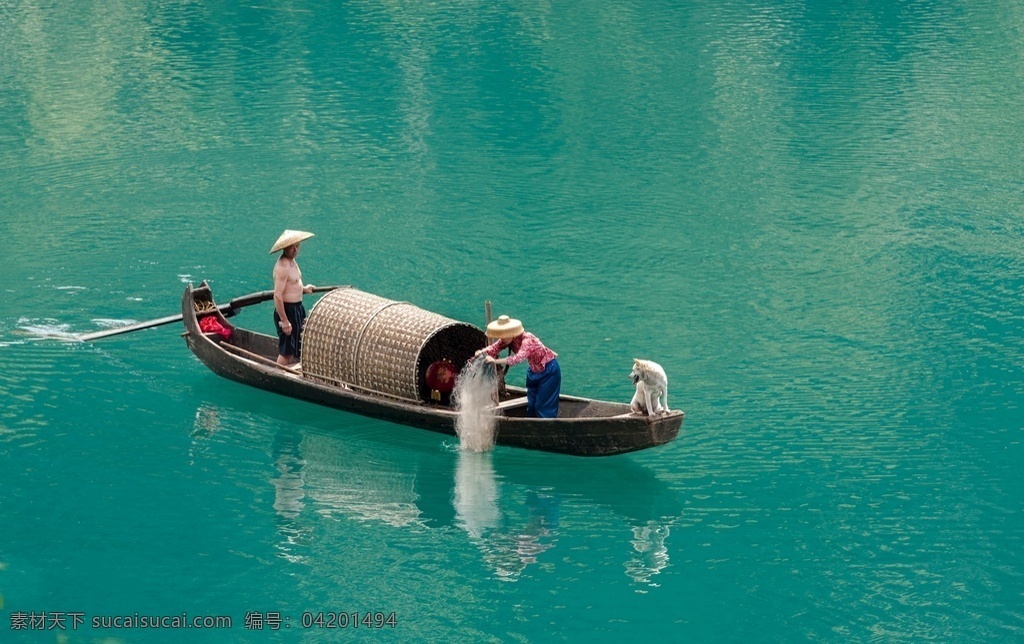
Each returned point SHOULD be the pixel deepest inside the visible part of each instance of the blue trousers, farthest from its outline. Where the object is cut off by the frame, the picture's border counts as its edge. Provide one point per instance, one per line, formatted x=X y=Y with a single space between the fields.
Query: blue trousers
x=542 y=391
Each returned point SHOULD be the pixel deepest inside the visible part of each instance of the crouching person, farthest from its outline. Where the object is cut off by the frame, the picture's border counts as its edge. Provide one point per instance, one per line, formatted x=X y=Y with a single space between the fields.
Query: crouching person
x=543 y=378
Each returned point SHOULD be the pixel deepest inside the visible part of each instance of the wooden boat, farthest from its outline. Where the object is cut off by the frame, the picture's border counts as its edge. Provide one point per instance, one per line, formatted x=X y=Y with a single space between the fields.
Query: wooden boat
x=584 y=427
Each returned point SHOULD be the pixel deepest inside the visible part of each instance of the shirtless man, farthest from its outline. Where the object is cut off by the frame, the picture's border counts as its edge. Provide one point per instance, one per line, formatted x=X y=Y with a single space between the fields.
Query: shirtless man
x=289 y=313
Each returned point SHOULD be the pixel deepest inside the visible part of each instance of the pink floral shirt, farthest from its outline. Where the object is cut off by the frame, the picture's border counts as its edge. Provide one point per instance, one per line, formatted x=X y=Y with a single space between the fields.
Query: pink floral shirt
x=530 y=349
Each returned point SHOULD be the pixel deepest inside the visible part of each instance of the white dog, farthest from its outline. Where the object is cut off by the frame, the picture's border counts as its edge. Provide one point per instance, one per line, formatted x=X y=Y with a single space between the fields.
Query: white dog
x=651 y=386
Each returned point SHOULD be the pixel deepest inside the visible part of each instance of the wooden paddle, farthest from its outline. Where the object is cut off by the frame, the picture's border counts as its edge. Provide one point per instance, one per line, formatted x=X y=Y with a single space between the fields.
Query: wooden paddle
x=227 y=310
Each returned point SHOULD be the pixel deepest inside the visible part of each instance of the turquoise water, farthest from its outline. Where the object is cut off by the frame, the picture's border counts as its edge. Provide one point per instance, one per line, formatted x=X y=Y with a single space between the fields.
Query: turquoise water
x=810 y=215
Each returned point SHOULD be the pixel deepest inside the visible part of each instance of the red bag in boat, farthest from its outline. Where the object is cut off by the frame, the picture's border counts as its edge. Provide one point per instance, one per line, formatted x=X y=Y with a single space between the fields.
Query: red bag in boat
x=441 y=376
x=210 y=324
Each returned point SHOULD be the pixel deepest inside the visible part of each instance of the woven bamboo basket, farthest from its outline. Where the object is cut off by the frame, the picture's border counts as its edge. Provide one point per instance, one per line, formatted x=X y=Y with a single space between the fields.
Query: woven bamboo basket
x=382 y=346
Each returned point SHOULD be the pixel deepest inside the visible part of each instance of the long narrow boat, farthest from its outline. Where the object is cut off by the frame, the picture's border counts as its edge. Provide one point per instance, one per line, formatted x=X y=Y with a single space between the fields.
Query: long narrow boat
x=584 y=427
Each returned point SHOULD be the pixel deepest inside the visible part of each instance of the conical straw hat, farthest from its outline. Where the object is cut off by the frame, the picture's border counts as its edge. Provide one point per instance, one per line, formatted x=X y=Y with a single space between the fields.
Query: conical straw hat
x=504 y=328
x=290 y=238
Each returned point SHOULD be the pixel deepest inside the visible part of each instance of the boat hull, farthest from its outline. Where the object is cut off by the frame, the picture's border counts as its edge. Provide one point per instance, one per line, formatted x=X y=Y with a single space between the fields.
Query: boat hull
x=595 y=428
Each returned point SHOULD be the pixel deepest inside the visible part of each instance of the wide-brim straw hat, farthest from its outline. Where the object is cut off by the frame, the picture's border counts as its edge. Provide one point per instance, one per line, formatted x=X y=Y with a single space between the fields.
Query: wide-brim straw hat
x=290 y=238
x=504 y=328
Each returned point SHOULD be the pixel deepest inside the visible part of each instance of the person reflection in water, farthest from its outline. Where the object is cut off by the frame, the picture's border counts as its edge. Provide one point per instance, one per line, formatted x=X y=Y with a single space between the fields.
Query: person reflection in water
x=289 y=496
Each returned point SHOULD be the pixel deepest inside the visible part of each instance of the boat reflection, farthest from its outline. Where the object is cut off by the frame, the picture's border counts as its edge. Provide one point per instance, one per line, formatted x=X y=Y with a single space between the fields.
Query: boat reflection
x=510 y=504
x=212 y=423
x=640 y=503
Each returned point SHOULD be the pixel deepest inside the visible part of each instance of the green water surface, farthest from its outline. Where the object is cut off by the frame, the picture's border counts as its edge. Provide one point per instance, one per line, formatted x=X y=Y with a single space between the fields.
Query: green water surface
x=810 y=213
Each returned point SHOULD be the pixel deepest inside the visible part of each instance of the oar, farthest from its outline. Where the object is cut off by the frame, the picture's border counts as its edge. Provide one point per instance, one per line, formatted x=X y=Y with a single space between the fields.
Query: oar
x=228 y=310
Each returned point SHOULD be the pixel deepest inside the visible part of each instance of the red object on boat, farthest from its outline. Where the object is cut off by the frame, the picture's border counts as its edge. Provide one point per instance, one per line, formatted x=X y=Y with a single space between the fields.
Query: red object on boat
x=441 y=376
x=210 y=324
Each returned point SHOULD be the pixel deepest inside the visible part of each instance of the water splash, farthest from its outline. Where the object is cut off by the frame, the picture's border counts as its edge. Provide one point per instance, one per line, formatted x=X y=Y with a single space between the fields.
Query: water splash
x=46 y=328
x=112 y=323
x=472 y=397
